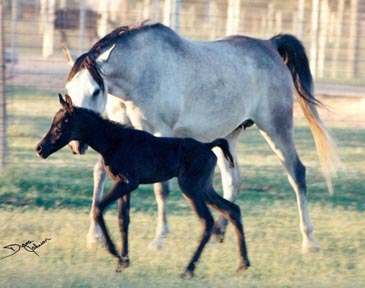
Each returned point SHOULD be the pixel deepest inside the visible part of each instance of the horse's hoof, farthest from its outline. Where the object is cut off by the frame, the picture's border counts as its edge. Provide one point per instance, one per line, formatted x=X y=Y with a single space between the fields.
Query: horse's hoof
x=93 y=243
x=310 y=247
x=187 y=275
x=156 y=244
x=218 y=233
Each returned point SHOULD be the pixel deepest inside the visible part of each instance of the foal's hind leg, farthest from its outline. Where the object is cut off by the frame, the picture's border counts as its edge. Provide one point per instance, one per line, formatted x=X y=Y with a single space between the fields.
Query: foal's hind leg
x=279 y=134
x=233 y=213
x=124 y=219
x=94 y=235
x=207 y=221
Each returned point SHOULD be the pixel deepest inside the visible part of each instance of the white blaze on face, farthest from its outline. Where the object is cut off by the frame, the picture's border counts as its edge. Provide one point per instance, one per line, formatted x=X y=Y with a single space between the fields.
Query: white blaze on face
x=85 y=92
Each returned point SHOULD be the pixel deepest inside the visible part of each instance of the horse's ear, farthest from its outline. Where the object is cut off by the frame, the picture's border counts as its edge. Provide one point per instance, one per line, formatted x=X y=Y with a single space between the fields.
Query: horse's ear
x=70 y=58
x=103 y=57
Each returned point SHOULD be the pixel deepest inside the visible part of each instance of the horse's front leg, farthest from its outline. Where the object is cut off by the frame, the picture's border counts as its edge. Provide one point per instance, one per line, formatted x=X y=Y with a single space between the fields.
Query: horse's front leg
x=162 y=191
x=94 y=236
x=124 y=219
x=231 y=182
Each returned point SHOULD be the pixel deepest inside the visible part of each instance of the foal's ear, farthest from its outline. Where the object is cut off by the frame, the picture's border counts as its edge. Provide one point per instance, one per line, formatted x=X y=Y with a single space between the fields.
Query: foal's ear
x=66 y=104
x=69 y=106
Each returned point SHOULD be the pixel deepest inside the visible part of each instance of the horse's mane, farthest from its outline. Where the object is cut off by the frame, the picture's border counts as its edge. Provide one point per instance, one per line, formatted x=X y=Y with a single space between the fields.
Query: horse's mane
x=87 y=60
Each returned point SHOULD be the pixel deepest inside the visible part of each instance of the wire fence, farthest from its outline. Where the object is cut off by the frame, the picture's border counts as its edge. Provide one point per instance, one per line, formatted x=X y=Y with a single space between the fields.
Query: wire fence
x=33 y=32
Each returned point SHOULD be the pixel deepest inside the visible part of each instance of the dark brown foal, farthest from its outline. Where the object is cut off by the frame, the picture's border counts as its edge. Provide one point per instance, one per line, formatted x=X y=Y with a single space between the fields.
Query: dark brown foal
x=133 y=157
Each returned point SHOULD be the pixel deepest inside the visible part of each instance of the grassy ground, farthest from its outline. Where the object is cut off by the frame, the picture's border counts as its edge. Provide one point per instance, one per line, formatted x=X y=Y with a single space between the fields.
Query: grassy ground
x=50 y=199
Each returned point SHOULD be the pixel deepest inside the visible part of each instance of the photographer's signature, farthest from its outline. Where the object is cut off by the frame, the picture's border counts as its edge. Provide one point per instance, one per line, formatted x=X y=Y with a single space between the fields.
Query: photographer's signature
x=28 y=246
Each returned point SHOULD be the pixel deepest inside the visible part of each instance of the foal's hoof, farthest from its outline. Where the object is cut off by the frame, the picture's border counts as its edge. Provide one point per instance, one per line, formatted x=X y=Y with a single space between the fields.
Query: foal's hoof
x=123 y=263
x=243 y=267
x=187 y=275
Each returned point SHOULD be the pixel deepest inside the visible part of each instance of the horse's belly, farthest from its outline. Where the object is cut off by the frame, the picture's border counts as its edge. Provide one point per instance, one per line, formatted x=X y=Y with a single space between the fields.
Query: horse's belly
x=215 y=118
x=207 y=129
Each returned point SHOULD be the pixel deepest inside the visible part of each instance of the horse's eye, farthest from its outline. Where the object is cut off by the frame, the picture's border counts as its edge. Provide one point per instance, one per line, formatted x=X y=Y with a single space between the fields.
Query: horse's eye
x=96 y=92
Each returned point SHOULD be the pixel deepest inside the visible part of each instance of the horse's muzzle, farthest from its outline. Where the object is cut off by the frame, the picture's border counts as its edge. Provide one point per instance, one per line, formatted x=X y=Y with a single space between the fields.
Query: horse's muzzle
x=77 y=147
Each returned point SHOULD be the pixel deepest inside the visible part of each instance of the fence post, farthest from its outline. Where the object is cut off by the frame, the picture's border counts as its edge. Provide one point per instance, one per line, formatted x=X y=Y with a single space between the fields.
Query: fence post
x=3 y=142
x=82 y=25
x=314 y=37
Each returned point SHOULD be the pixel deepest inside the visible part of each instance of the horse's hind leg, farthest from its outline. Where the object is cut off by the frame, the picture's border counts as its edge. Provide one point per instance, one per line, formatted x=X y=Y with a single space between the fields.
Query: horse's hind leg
x=161 y=193
x=94 y=235
x=279 y=134
x=231 y=181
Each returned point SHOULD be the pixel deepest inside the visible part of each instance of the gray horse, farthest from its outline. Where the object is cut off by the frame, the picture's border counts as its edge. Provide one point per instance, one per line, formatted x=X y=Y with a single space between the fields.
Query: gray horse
x=171 y=86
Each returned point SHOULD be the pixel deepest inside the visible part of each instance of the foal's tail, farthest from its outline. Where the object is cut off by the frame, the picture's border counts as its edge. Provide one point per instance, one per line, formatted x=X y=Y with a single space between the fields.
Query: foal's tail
x=294 y=56
x=223 y=144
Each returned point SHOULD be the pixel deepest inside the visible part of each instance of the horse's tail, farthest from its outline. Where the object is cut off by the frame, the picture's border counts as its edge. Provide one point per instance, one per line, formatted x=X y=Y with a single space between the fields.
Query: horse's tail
x=223 y=144
x=294 y=55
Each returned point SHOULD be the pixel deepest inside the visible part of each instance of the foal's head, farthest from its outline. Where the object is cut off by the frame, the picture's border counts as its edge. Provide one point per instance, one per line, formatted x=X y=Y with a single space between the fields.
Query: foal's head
x=62 y=131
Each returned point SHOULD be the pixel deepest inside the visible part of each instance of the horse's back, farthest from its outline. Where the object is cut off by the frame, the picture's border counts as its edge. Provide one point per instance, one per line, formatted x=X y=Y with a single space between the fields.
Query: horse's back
x=235 y=76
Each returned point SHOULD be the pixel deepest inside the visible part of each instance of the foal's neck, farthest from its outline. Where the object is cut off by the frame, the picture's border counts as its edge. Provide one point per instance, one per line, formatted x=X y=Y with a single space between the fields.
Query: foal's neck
x=98 y=132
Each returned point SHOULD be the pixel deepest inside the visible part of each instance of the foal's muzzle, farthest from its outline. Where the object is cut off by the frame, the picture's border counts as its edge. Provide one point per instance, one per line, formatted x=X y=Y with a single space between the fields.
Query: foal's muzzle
x=41 y=151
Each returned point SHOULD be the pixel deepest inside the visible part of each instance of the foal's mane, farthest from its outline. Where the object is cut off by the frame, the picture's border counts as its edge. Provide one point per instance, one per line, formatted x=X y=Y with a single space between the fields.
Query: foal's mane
x=87 y=60
x=110 y=123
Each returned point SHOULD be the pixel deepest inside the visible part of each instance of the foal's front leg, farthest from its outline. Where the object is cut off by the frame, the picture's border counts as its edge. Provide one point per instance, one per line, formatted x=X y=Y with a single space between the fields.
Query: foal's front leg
x=120 y=189
x=124 y=219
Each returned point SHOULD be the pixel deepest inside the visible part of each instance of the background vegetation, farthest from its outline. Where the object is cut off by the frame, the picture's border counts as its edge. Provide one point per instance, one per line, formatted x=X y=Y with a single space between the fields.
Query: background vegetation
x=51 y=198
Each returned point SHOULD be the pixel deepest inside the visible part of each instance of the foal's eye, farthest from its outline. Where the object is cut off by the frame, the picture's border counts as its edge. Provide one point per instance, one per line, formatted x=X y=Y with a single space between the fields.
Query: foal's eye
x=58 y=129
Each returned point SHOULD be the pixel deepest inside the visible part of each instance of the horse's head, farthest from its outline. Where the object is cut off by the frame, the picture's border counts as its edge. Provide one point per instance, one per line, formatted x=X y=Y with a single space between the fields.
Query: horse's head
x=61 y=132
x=86 y=86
